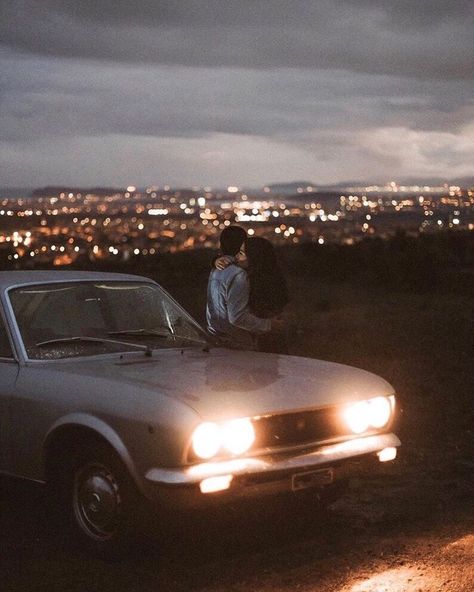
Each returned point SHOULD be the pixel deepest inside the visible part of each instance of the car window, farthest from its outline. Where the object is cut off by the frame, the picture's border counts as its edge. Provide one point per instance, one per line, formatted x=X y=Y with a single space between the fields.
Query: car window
x=5 y=347
x=130 y=312
x=135 y=306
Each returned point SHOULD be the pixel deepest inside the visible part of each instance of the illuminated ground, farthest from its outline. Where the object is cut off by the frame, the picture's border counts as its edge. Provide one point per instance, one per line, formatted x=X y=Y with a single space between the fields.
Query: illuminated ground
x=404 y=533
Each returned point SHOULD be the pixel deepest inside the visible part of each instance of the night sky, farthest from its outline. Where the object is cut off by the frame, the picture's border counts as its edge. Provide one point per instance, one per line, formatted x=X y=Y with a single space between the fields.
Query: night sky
x=244 y=92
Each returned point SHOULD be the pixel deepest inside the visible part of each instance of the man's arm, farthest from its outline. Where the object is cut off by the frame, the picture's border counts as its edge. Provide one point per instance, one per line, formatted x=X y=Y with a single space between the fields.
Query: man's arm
x=237 y=306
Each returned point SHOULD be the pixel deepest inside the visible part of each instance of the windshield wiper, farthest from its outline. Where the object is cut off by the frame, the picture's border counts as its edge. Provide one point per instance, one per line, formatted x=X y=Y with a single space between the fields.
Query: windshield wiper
x=145 y=332
x=156 y=333
x=84 y=338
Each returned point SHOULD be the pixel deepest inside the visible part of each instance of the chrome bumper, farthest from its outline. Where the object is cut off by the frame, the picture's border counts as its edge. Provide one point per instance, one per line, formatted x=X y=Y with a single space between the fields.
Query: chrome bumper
x=272 y=464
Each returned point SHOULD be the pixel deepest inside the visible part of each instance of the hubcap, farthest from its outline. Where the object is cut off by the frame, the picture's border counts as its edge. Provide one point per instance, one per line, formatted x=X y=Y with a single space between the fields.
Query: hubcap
x=96 y=501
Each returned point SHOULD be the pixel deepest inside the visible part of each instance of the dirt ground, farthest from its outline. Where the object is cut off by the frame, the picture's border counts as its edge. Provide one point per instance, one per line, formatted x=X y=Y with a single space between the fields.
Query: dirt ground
x=403 y=531
x=409 y=528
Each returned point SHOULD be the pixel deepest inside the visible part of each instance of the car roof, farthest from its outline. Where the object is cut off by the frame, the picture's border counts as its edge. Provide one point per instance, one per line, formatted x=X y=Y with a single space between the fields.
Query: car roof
x=9 y=279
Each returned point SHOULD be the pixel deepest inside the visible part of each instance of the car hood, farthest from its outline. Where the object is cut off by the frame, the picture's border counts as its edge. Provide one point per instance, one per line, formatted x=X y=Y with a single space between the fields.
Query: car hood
x=228 y=383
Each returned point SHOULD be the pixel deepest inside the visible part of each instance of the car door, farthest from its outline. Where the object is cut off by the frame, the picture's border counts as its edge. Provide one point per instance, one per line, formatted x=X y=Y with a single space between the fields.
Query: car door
x=8 y=373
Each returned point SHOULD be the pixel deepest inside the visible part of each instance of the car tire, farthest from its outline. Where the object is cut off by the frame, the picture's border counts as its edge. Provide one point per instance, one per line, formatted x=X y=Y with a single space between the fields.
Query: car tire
x=100 y=503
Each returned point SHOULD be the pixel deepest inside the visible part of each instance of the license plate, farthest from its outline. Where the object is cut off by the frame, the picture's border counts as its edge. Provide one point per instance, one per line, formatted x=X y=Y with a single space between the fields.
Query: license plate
x=312 y=479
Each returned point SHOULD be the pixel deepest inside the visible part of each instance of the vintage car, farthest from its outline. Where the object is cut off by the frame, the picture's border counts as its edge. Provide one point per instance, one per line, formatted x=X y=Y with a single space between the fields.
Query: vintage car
x=117 y=399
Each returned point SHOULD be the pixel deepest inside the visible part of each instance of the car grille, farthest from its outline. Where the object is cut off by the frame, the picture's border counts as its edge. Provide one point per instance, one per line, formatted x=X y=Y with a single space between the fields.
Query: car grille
x=293 y=429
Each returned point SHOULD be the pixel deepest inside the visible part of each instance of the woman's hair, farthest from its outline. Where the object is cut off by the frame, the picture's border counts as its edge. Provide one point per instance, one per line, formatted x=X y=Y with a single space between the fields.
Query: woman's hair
x=268 y=290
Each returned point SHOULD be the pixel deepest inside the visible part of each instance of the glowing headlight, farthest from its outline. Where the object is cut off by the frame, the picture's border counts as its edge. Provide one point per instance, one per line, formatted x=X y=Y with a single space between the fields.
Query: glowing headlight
x=238 y=435
x=357 y=417
x=373 y=413
x=235 y=436
x=380 y=411
x=207 y=440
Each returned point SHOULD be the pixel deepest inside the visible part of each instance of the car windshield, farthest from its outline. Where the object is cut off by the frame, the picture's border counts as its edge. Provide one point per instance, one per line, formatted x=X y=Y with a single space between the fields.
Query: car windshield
x=73 y=319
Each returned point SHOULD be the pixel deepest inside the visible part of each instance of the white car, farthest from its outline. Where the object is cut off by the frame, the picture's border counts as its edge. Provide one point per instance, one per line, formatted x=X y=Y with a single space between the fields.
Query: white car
x=114 y=396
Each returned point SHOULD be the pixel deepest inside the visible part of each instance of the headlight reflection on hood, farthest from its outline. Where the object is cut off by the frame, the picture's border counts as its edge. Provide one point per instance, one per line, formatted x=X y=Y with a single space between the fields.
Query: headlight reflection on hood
x=235 y=436
x=373 y=413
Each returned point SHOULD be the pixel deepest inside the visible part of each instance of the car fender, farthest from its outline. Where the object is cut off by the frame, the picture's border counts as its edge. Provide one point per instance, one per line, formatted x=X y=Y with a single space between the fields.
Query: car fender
x=100 y=428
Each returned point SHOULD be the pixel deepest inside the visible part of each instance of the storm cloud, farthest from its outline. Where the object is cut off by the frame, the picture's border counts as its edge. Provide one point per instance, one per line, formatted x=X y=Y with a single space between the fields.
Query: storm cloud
x=422 y=39
x=113 y=91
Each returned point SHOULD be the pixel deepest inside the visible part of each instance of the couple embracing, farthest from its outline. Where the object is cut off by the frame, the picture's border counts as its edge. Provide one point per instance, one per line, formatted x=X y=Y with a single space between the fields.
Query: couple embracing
x=246 y=293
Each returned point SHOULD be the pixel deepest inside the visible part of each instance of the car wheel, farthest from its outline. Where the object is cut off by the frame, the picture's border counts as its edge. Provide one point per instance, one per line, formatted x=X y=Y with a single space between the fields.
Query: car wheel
x=102 y=503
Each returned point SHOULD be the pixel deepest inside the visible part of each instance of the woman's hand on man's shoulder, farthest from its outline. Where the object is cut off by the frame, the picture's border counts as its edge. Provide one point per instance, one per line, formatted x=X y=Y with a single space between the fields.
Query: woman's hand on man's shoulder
x=224 y=261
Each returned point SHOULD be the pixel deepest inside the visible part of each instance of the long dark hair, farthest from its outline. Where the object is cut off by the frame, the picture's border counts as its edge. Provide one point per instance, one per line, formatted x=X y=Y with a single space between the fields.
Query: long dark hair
x=268 y=289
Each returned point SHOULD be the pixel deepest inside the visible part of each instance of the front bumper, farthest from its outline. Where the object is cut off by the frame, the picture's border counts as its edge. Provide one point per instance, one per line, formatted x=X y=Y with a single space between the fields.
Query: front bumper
x=252 y=477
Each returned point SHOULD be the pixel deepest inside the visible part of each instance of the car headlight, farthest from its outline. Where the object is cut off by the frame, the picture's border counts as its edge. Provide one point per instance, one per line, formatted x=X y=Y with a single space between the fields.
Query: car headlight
x=380 y=411
x=207 y=440
x=238 y=435
x=373 y=413
x=235 y=436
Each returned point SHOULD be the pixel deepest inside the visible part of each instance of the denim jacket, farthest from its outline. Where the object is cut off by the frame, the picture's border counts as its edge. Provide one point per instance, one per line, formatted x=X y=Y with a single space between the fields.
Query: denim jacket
x=228 y=316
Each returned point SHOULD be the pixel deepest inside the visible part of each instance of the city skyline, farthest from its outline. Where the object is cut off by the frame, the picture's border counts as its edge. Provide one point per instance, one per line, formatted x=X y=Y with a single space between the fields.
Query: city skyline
x=245 y=93
x=407 y=184
x=80 y=227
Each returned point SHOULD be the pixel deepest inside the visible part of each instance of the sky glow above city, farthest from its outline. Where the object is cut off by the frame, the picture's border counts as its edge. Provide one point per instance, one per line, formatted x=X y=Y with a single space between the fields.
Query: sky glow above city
x=247 y=92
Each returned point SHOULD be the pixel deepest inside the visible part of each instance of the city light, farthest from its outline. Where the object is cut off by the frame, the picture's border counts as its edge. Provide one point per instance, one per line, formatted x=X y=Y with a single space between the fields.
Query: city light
x=69 y=226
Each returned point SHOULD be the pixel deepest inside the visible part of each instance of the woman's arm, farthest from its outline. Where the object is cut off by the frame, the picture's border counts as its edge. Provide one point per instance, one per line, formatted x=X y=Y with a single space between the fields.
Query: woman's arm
x=223 y=261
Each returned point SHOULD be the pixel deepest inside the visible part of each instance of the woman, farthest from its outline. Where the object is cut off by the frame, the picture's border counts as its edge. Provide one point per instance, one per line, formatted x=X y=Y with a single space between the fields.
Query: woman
x=268 y=291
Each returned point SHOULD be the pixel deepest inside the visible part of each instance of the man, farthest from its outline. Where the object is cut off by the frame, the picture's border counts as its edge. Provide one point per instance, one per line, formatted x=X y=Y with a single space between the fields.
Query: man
x=227 y=313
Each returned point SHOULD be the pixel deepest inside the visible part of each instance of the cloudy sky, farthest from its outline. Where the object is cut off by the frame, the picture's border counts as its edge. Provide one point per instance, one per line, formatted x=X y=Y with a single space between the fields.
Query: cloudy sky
x=246 y=92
